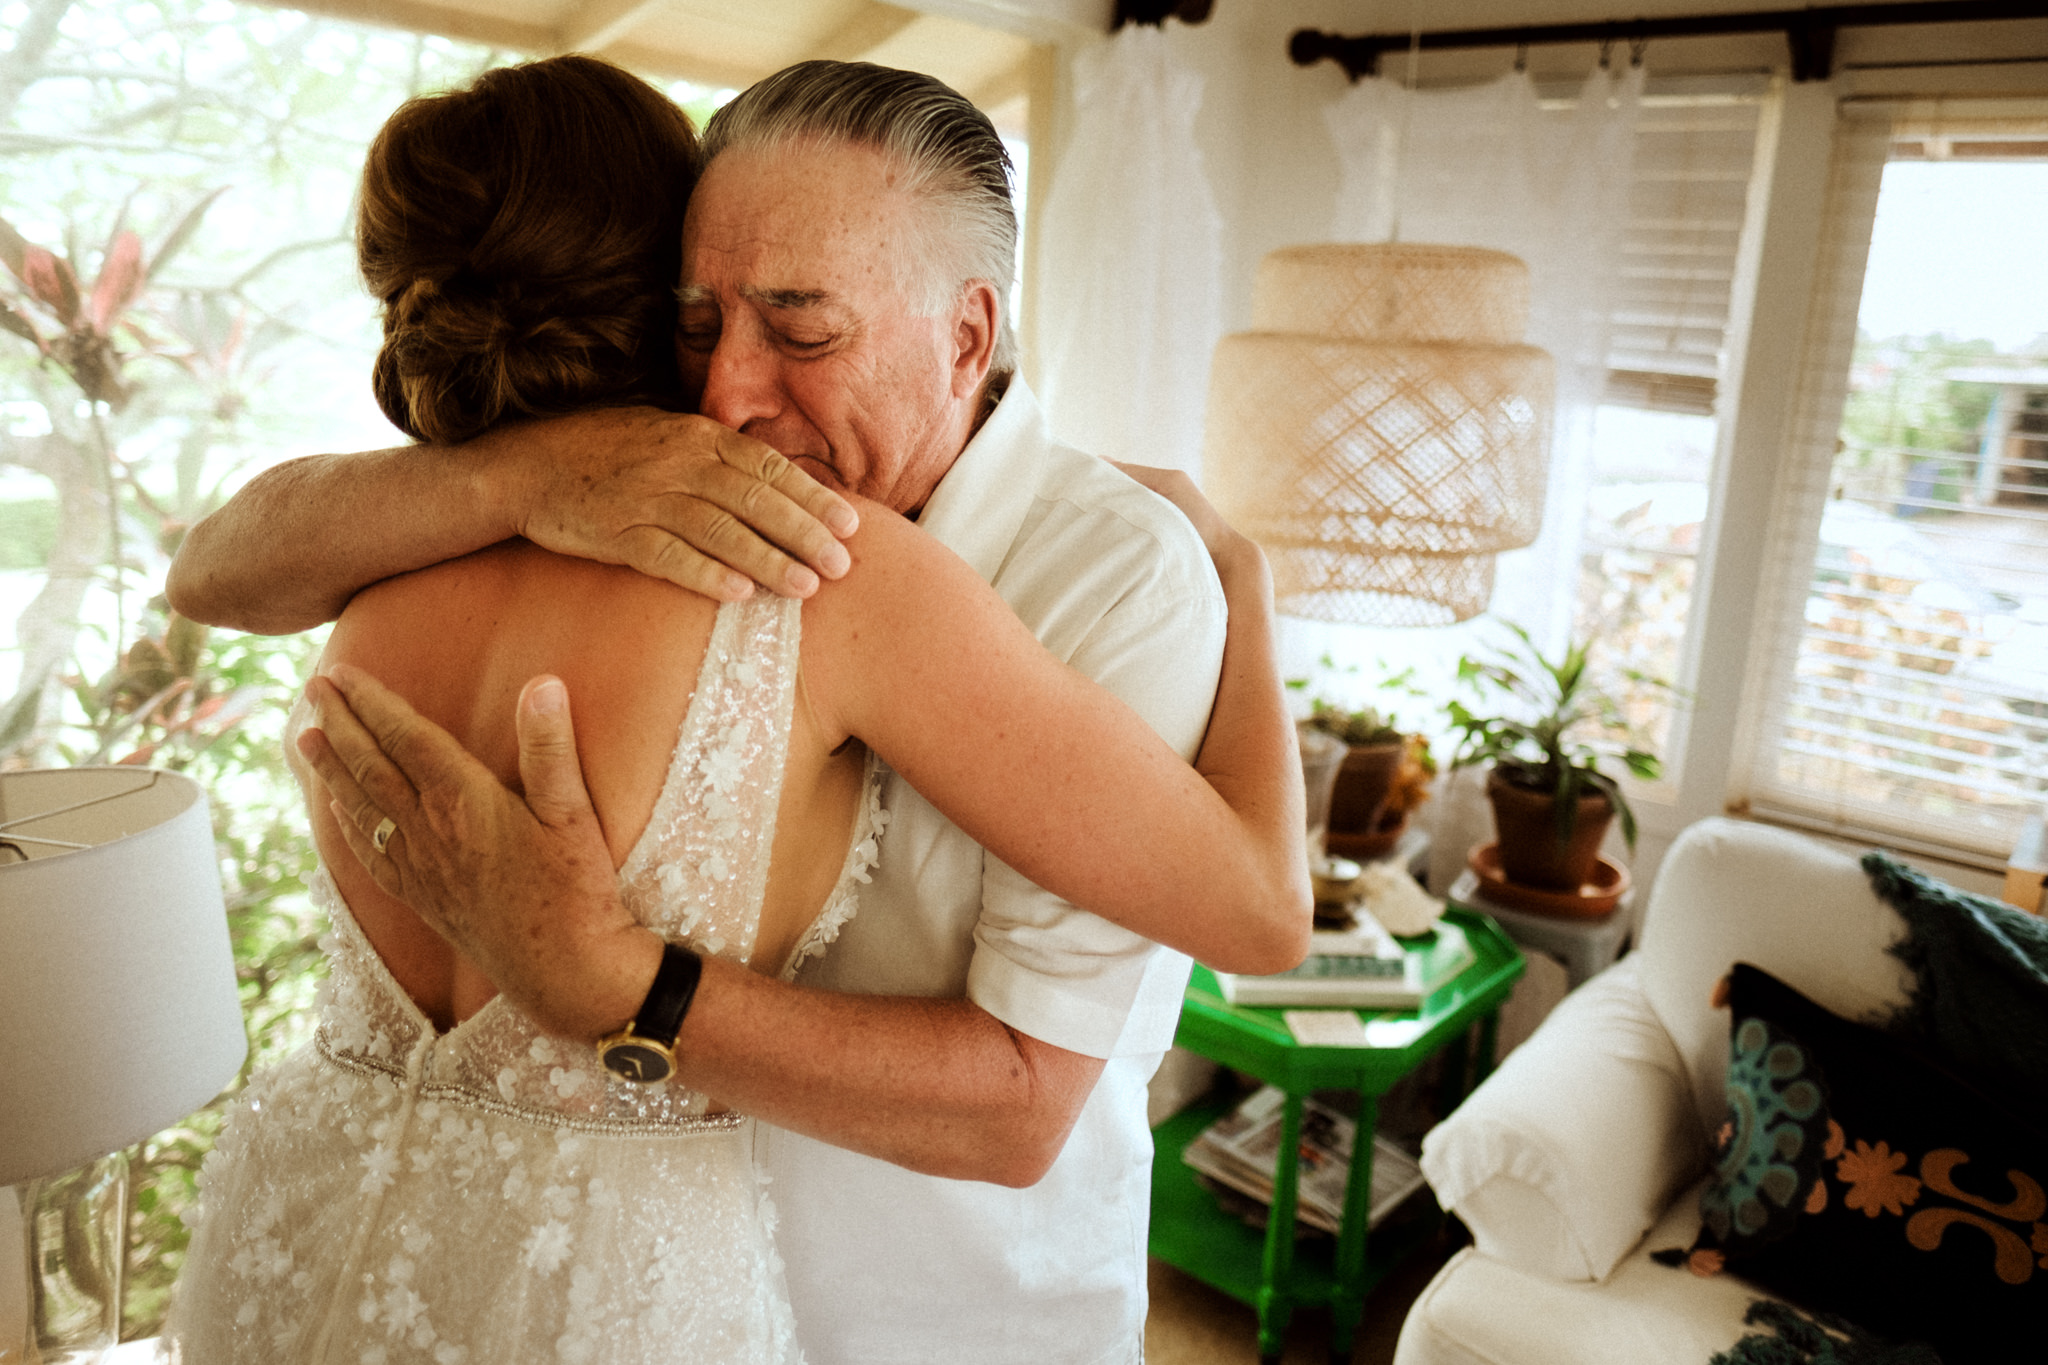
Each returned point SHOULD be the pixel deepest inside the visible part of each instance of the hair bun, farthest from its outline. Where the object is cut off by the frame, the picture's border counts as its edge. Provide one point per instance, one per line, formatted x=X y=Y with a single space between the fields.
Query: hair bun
x=525 y=237
x=455 y=361
x=444 y=371
x=455 y=319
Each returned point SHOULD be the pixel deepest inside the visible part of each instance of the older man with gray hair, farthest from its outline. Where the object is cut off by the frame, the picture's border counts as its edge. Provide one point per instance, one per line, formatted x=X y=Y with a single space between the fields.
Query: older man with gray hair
x=958 y=1143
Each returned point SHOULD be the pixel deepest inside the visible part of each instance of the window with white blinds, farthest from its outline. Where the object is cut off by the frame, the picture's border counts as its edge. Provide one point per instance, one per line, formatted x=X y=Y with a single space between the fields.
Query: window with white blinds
x=1695 y=149
x=1655 y=432
x=1907 y=683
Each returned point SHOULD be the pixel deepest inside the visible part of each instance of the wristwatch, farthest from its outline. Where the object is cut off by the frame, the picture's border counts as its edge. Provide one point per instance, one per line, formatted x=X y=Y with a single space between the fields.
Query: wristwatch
x=644 y=1051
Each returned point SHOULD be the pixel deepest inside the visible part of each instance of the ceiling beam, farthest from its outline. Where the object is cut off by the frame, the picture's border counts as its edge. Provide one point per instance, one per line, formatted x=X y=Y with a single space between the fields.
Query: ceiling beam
x=1042 y=21
x=597 y=25
x=874 y=25
x=683 y=66
x=1002 y=87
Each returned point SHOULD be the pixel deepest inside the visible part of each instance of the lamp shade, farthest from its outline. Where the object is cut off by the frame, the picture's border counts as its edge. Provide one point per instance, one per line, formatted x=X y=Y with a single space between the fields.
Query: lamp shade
x=1382 y=431
x=118 y=1008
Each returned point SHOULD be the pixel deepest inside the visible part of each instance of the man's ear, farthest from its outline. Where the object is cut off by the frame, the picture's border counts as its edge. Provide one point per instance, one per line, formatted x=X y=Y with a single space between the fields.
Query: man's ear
x=976 y=318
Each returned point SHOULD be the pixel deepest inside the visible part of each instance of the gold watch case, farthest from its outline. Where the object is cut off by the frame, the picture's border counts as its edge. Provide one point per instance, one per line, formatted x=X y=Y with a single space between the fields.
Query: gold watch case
x=637 y=1059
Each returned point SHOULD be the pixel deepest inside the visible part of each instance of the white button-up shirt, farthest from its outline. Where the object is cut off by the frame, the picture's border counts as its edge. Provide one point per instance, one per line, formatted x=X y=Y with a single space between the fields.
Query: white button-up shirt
x=888 y=1267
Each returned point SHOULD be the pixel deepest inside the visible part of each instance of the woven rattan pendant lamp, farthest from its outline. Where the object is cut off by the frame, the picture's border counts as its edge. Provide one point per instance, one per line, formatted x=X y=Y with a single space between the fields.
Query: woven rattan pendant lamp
x=1382 y=431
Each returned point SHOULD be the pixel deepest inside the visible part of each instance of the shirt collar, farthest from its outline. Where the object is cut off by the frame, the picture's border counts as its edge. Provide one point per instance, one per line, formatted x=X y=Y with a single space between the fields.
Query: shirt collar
x=979 y=506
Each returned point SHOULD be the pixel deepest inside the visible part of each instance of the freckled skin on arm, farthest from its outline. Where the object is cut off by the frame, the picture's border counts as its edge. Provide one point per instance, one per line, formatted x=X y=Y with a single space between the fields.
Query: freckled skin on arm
x=795 y=331
x=675 y=496
x=939 y=1086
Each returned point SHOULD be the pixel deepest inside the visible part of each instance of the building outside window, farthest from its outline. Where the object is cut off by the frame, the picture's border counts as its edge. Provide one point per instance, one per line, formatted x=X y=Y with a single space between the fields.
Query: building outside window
x=1907 y=698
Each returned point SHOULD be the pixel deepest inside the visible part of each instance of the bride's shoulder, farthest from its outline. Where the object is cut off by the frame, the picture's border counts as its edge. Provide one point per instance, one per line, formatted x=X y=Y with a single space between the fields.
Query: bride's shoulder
x=511 y=581
x=459 y=638
x=897 y=570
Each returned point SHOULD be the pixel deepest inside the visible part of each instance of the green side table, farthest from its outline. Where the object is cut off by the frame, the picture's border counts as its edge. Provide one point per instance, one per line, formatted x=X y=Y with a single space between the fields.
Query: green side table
x=1269 y=1270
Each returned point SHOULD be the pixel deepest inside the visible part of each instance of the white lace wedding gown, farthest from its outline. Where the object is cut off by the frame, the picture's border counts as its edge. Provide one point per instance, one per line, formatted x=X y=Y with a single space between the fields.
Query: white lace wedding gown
x=489 y=1195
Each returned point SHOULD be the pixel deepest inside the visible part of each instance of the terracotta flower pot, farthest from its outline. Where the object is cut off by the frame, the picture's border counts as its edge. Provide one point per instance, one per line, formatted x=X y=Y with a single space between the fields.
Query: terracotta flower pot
x=1370 y=848
x=1526 y=823
x=1359 y=800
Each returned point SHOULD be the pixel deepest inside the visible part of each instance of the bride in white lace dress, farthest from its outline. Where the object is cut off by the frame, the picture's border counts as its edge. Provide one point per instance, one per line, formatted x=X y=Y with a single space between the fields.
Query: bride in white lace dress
x=436 y=1178
x=483 y=1193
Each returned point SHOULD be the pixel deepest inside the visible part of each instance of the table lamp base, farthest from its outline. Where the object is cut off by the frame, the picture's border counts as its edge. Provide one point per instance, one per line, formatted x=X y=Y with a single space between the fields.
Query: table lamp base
x=61 y=1264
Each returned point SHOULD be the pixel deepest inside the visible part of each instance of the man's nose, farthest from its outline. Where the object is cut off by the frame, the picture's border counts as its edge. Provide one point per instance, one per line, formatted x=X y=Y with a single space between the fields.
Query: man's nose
x=740 y=383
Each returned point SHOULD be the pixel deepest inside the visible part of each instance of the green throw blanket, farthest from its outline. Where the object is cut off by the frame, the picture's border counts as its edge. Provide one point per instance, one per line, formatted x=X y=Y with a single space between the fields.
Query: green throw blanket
x=1980 y=994
x=1798 y=1339
x=1979 y=1005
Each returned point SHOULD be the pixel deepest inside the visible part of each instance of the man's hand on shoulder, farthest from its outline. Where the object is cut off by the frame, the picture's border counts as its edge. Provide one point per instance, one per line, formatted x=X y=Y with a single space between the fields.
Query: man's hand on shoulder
x=1223 y=542
x=675 y=496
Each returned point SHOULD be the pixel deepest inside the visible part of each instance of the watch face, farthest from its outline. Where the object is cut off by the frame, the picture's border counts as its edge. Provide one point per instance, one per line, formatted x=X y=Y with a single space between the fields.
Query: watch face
x=639 y=1062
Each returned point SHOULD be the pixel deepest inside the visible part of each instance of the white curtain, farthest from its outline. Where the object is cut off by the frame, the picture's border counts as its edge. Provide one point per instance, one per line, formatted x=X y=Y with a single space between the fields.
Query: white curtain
x=1128 y=299
x=1490 y=166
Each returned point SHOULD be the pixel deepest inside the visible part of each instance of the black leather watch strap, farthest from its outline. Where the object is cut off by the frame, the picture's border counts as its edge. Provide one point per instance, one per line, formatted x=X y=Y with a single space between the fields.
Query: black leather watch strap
x=644 y=1051
x=668 y=999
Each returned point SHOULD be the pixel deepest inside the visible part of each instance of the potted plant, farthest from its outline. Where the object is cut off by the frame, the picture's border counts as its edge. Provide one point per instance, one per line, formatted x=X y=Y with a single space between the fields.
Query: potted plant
x=1552 y=804
x=1384 y=775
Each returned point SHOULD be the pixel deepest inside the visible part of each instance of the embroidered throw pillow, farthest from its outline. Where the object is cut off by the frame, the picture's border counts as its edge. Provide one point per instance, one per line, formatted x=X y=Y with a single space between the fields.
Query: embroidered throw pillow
x=1855 y=1177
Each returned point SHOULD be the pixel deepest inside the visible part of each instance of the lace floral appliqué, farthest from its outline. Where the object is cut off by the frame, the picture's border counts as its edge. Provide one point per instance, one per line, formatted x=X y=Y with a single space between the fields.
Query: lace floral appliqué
x=392 y=1195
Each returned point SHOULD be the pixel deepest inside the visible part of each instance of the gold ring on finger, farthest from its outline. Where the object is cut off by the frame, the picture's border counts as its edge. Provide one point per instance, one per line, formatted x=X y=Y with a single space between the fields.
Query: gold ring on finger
x=381 y=836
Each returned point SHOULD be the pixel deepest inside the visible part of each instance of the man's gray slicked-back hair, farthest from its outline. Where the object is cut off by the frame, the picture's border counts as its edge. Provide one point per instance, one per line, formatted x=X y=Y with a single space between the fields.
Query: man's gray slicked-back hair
x=947 y=150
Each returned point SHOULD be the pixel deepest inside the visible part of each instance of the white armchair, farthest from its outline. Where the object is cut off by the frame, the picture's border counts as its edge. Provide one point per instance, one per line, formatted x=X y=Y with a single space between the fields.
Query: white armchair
x=1597 y=1130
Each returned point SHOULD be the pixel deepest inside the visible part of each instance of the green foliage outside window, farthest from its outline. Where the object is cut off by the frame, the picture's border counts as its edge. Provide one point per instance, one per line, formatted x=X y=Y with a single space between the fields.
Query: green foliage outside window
x=1905 y=421
x=180 y=310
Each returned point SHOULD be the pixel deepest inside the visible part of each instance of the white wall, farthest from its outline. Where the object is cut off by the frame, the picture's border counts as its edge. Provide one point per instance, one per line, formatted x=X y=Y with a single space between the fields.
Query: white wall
x=1274 y=171
x=1261 y=128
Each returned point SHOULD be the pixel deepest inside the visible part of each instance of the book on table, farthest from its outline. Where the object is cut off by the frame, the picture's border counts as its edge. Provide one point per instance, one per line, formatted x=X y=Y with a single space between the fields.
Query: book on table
x=1240 y=1151
x=1363 y=968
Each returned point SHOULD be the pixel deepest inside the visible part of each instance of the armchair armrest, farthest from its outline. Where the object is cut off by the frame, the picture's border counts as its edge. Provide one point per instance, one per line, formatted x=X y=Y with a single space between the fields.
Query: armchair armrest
x=1568 y=1154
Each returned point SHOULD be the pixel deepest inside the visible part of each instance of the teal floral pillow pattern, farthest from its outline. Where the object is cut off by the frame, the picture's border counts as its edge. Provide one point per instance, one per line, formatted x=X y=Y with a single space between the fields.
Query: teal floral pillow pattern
x=1857 y=1178
x=1769 y=1151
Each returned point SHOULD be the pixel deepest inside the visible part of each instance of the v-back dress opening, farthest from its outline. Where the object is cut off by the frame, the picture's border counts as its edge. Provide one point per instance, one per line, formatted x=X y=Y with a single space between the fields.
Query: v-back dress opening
x=392 y=1194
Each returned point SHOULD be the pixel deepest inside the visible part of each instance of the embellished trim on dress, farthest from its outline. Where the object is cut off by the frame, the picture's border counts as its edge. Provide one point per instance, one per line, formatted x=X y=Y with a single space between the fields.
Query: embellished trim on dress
x=862 y=855
x=702 y=863
x=471 y=1098
x=395 y=1194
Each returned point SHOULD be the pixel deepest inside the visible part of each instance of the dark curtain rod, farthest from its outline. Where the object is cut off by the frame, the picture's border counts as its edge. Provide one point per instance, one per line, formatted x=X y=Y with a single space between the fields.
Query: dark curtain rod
x=1157 y=12
x=1810 y=33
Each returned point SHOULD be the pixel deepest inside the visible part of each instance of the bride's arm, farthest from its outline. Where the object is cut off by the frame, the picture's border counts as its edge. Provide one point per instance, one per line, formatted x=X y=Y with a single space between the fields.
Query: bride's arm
x=1052 y=773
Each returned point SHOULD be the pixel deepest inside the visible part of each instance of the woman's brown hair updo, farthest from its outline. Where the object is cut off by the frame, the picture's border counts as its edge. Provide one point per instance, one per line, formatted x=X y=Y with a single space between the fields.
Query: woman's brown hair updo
x=525 y=236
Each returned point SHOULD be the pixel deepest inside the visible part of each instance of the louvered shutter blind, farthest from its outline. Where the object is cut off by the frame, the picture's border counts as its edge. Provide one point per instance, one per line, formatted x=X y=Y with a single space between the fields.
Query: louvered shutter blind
x=1694 y=155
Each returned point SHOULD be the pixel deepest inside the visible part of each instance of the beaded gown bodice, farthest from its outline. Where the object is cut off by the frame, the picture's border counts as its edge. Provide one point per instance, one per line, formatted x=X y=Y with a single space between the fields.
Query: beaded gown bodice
x=395 y=1194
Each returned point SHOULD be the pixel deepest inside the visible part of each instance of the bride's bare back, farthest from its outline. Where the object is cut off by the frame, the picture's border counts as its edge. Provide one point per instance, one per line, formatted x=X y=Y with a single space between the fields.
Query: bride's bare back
x=460 y=639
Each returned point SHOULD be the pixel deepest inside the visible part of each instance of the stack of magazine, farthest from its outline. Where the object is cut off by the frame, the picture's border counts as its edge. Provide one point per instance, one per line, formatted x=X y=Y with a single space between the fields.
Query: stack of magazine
x=1240 y=1150
x=1360 y=968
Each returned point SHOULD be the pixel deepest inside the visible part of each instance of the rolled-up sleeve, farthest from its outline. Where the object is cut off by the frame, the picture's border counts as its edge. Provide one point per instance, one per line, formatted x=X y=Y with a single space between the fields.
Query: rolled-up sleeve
x=1046 y=967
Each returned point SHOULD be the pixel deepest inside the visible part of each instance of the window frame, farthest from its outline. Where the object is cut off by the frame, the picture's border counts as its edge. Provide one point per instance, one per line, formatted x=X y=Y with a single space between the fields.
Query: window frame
x=1784 y=381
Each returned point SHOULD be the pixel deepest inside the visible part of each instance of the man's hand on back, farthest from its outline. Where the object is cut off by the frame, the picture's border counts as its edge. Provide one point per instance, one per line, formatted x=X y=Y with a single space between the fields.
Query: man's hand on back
x=522 y=886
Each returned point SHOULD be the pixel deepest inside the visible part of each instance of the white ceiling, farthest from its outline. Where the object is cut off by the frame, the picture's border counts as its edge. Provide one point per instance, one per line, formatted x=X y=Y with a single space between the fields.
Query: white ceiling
x=977 y=46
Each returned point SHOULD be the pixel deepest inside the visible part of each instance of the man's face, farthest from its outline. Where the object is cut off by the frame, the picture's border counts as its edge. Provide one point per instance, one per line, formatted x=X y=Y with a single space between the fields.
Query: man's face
x=797 y=327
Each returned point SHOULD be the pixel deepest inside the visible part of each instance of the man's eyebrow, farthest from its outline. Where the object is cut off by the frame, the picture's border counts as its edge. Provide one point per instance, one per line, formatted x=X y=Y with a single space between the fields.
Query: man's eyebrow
x=694 y=295
x=785 y=298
